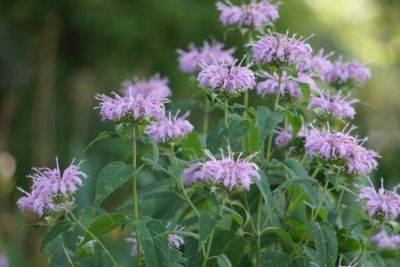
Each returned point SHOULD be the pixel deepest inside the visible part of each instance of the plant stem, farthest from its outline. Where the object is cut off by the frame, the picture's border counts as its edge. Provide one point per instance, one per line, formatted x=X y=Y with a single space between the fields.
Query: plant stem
x=206 y=115
x=134 y=189
x=321 y=200
x=272 y=133
x=66 y=254
x=259 y=230
x=226 y=112
x=94 y=237
x=188 y=198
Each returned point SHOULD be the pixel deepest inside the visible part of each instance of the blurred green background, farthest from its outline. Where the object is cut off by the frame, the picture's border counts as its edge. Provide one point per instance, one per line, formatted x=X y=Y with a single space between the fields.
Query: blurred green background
x=55 y=55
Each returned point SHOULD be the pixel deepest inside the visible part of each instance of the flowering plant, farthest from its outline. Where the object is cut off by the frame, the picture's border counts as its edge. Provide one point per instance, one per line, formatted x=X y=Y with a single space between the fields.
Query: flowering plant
x=285 y=183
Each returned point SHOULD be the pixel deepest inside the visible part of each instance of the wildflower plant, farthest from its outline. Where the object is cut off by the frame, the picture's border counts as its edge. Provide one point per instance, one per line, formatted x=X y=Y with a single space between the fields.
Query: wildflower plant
x=284 y=183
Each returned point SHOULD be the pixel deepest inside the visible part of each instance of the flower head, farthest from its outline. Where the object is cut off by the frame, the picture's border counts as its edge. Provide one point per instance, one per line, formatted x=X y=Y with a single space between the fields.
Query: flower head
x=383 y=240
x=255 y=14
x=341 y=72
x=230 y=171
x=382 y=202
x=169 y=127
x=336 y=105
x=135 y=248
x=285 y=135
x=116 y=107
x=227 y=78
x=209 y=53
x=51 y=189
x=155 y=85
x=193 y=173
x=341 y=145
x=283 y=49
x=320 y=62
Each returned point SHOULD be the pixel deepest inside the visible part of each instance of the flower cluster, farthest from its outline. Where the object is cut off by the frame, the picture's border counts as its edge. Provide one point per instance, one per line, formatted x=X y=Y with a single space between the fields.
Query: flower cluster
x=231 y=79
x=117 y=107
x=175 y=240
x=285 y=135
x=382 y=202
x=209 y=53
x=341 y=145
x=51 y=189
x=135 y=248
x=280 y=48
x=155 y=85
x=383 y=240
x=336 y=105
x=341 y=72
x=320 y=63
x=169 y=127
x=3 y=261
x=229 y=171
x=255 y=14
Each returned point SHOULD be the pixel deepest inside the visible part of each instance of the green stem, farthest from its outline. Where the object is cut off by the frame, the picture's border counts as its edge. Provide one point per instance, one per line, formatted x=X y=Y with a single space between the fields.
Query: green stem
x=321 y=200
x=206 y=115
x=259 y=230
x=94 y=237
x=226 y=113
x=272 y=133
x=66 y=254
x=134 y=189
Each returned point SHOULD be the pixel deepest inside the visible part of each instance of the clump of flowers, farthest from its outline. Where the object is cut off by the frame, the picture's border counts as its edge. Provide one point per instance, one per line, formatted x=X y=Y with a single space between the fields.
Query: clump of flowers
x=336 y=105
x=256 y=14
x=284 y=136
x=169 y=127
x=138 y=107
x=135 y=248
x=209 y=53
x=320 y=63
x=155 y=85
x=383 y=240
x=230 y=79
x=52 y=190
x=341 y=145
x=383 y=202
x=341 y=72
x=281 y=49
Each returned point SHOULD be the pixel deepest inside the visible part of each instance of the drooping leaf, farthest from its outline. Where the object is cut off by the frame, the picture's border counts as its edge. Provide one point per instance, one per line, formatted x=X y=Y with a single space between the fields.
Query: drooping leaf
x=111 y=177
x=104 y=224
x=58 y=229
x=267 y=121
x=271 y=258
x=324 y=237
x=295 y=181
x=101 y=136
x=285 y=236
x=207 y=223
x=223 y=261
x=235 y=215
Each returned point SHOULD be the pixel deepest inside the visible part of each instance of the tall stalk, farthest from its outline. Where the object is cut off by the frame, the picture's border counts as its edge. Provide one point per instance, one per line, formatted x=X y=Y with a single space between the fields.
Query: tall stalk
x=207 y=107
x=134 y=189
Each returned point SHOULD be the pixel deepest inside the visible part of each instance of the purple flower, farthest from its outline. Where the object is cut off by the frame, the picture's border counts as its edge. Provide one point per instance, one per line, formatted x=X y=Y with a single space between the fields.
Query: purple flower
x=135 y=248
x=139 y=107
x=341 y=72
x=169 y=127
x=341 y=145
x=3 y=261
x=383 y=240
x=227 y=78
x=384 y=202
x=336 y=105
x=193 y=173
x=175 y=240
x=285 y=135
x=283 y=49
x=230 y=171
x=284 y=84
x=51 y=189
x=255 y=14
x=320 y=63
x=209 y=53
x=155 y=85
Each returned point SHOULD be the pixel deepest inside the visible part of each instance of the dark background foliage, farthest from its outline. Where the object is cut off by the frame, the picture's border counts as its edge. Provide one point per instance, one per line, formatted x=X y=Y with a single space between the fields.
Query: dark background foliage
x=55 y=55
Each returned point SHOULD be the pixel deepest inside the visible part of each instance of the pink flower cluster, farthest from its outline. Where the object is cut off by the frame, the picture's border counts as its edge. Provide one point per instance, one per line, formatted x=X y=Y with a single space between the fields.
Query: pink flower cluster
x=51 y=189
x=282 y=48
x=383 y=240
x=154 y=85
x=229 y=171
x=341 y=72
x=227 y=78
x=341 y=145
x=116 y=107
x=285 y=135
x=209 y=53
x=384 y=202
x=255 y=14
x=169 y=127
x=284 y=84
x=336 y=105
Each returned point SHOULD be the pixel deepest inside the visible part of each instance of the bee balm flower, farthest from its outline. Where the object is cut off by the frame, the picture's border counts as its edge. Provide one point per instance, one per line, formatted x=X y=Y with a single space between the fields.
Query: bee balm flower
x=383 y=240
x=155 y=85
x=336 y=105
x=341 y=72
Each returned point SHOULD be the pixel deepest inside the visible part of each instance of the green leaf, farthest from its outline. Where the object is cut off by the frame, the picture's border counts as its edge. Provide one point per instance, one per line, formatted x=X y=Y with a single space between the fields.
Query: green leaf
x=216 y=136
x=295 y=122
x=192 y=251
x=235 y=216
x=267 y=121
x=58 y=229
x=223 y=261
x=272 y=258
x=324 y=237
x=237 y=128
x=285 y=236
x=207 y=223
x=111 y=177
x=191 y=145
x=104 y=224
x=228 y=243
x=305 y=89
x=101 y=136
x=295 y=168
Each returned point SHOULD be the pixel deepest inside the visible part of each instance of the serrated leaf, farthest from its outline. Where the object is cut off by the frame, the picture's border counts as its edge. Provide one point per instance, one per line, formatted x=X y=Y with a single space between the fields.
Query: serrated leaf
x=101 y=136
x=223 y=261
x=192 y=251
x=272 y=258
x=267 y=121
x=285 y=236
x=112 y=177
x=104 y=224
x=58 y=229
x=324 y=237
x=207 y=223
x=216 y=136
x=235 y=215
